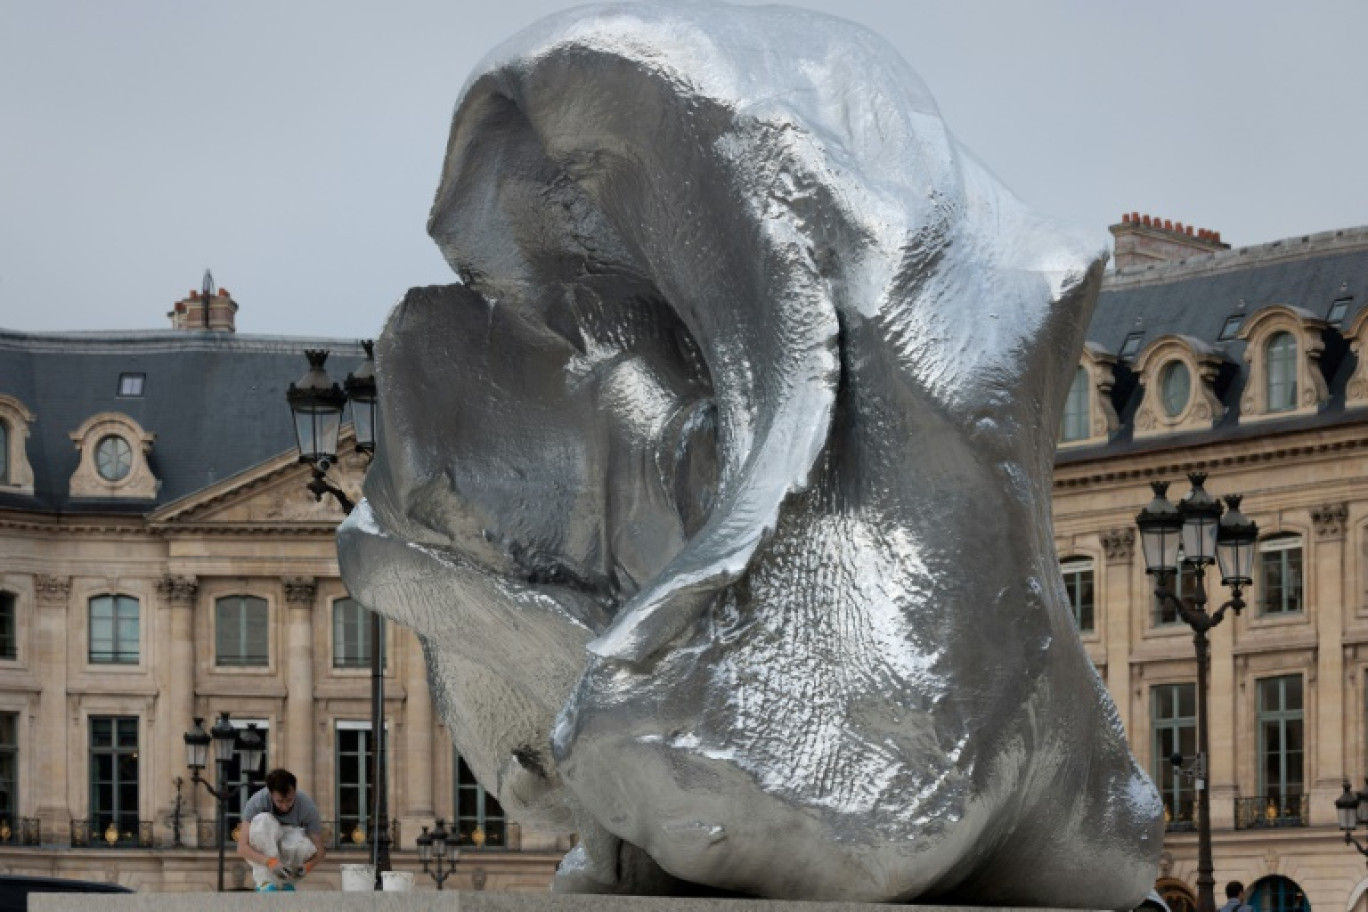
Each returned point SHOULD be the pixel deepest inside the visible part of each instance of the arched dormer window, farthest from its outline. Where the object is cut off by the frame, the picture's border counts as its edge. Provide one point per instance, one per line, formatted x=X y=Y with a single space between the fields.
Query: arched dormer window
x=1178 y=375
x=1283 y=346
x=16 y=475
x=114 y=450
x=1089 y=418
x=1280 y=375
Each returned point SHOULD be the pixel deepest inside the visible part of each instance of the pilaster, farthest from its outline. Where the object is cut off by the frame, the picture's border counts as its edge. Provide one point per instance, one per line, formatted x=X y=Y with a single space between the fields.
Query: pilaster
x=417 y=810
x=176 y=599
x=54 y=813
x=1223 y=708
x=1326 y=598
x=301 y=596
x=1118 y=546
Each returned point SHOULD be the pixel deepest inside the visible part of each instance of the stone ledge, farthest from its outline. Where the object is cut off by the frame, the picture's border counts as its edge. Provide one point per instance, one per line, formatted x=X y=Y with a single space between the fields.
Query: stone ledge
x=432 y=901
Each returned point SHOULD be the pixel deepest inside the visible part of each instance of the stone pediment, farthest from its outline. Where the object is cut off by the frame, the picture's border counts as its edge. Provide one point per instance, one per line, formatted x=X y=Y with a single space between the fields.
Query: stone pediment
x=271 y=494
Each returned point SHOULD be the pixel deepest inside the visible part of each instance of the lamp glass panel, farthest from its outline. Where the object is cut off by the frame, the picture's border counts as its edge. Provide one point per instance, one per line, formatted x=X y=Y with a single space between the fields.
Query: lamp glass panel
x=1161 y=548
x=1199 y=538
x=363 y=418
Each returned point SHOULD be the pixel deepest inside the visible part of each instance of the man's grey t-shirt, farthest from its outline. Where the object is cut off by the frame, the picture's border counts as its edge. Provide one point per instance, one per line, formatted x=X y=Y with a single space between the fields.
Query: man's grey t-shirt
x=304 y=813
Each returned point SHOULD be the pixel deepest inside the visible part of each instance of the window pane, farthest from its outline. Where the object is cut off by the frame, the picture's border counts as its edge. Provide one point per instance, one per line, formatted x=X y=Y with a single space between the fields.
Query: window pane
x=1075 y=423
x=1281 y=368
x=9 y=641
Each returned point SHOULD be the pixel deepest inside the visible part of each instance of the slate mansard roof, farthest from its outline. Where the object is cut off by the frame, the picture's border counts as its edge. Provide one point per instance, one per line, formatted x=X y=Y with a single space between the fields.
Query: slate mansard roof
x=1196 y=298
x=215 y=401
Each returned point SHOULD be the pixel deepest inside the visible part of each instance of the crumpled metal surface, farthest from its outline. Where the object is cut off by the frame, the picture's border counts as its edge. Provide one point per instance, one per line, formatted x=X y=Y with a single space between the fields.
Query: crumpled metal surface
x=718 y=491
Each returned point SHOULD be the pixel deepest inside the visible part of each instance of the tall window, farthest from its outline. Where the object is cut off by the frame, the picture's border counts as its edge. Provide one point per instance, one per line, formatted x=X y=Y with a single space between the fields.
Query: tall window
x=9 y=770
x=352 y=634
x=4 y=453
x=114 y=777
x=9 y=627
x=1165 y=612
x=241 y=630
x=1075 y=426
x=1281 y=746
x=113 y=630
x=353 y=781
x=1281 y=372
x=1078 y=583
x=1173 y=723
x=479 y=817
x=1280 y=575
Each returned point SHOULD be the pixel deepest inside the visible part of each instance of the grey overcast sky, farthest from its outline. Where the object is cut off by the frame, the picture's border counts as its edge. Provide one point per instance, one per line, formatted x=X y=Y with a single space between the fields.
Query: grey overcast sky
x=294 y=146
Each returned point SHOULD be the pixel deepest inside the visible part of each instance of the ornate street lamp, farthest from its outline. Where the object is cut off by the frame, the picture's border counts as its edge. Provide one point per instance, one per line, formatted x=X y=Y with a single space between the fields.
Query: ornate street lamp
x=440 y=847
x=317 y=404
x=1194 y=535
x=1352 y=810
x=226 y=739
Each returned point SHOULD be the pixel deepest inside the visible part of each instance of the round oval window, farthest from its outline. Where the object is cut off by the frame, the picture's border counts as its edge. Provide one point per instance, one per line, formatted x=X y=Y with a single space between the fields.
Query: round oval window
x=113 y=458
x=1176 y=385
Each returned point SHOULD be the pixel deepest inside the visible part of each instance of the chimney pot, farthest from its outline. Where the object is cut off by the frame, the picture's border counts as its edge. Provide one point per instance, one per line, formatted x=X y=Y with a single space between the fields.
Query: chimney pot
x=1135 y=218
x=1189 y=230
x=224 y=293
x=1168 y=224
x=1147 y=221
x=1125 y=218
x=1178 y=227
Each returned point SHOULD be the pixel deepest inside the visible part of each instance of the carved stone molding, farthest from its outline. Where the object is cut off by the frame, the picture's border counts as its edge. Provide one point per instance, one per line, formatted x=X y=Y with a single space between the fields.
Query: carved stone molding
x=178 y=590
x=1119 y=545
x=52 y=590
x=1330 y=521
x=300 y=590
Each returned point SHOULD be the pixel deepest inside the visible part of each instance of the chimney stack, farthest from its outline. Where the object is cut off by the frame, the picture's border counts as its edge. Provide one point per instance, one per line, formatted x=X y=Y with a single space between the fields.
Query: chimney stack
x=189 y=312
x=1142 y=240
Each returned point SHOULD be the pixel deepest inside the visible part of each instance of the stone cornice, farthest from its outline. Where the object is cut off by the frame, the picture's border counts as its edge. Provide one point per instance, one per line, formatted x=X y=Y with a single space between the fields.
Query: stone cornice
x=1211 y=456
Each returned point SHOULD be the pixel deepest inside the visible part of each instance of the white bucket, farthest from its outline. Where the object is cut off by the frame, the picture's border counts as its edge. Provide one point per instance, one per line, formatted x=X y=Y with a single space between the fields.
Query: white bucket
x=397 y=881
x=358 y=878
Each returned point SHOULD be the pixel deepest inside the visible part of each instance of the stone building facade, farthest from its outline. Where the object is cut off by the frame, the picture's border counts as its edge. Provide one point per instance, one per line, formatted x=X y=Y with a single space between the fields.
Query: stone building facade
x=160 y=560
x=1243 y=364
x=152 y=512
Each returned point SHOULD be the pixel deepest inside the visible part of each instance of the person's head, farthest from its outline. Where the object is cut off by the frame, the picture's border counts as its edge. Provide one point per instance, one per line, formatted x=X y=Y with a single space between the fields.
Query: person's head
x=281 y=783
x=1233 y=889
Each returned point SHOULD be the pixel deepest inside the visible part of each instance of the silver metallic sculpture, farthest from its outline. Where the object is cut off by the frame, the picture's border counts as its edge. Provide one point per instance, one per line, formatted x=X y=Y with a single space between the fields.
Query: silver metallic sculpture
x=718 y=493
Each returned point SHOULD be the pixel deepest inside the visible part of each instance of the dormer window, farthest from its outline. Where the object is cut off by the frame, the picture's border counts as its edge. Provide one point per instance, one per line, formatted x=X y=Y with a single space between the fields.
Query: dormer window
x=1231 y=327
x=1132 y=344
x=16 y=475
x=1338 y=308
x=1075 y=425
x=1281 y=366
x=114 y=458
x=131 y=385
x=1176 y=384
x=1178 y=375
x=1089 y=418
x=1283 y=345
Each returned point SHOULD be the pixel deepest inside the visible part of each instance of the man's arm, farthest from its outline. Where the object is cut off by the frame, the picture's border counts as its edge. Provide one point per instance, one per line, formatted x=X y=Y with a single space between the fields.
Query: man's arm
x=320 y=848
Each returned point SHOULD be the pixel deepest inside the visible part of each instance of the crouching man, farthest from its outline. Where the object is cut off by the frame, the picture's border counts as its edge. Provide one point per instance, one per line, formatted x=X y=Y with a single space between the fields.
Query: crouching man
x=281 y=835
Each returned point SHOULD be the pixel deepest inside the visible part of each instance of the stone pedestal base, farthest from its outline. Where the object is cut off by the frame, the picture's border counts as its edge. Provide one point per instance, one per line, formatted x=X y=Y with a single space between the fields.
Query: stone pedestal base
x=432 y=901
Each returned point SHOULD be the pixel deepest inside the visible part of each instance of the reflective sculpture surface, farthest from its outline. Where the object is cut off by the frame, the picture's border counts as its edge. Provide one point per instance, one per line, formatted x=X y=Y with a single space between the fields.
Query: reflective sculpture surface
x=718 y=491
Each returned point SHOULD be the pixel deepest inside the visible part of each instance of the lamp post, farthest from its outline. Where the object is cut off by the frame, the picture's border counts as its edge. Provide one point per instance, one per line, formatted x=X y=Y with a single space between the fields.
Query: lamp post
x=225 y=739
x=1196 y=535
x=438 y=846
x=316 y=403
x=1352 y=809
